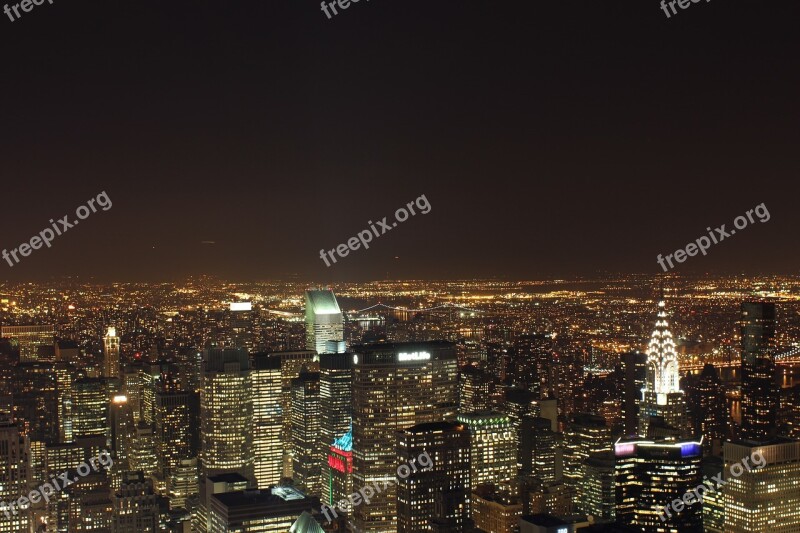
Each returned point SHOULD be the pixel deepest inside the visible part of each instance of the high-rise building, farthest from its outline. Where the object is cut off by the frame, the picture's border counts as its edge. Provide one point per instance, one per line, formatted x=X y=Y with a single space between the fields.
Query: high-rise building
x=713 y=501
x=135 y=506
x=241 y=331
x=584 y=436
x=14 y=474
x=323 y=320
x=273 y=510
x=216 y=484
x=597 y=489
x=65 y=374
x=439 y=492
x=336 y=418
x=338 y=483
x=395 y=386
x=760 y=395
x=493 y=447
x=28 y=339
x=496 y=509
x=111 y=362
x=539 y=450
x=226 y=406
x=709 y=409
x=183 y=483
x=766 y=498
x=662 y=397
x=306 y=443
x=90 y=401
x=172 y=428
x=91 y=508
x=36 y=401
x=651 y=474
x=265 y=382
x=474 y=390
x=635 y=373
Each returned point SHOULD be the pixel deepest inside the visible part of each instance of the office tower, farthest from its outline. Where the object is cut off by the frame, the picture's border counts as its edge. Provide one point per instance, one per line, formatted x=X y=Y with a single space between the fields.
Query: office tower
x=662 y=396
x=211 y=485
x=474 y=390
x=68 y=352
x=36 y=401
x=635 y=373
x=226 y=407
x=336 y=417
x=265 y=382
x=132 y=388
x=65 y=374
x=790 y=411
x=713 y=501
x=585 y=435
x=150 y=378
x=709 y=410
x=14 y=474
x=66 y=457
x=762 y=499
x=240 y=316
x=91 y=508
x=142 y=454
x=760 y=396
x=111 y=362
x=323 y=320
x=338 y=484
x=650 y=474
x=597 y=488
x=495 y=509
x=183 y=483
x=135 y=506
x=173 y=427
x=533 y=356
x=493 y=447
x=273 y=510
x=291 y=364
x=123 y=431
x=28 y=339
x=395 y=386
x=440 y=491
x=306 y=444
x=553 y=498
x=539 y=452
x=89 y=407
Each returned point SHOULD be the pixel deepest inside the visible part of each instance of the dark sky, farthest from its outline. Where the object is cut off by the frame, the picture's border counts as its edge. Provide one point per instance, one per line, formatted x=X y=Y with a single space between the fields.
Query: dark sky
x=552 y=138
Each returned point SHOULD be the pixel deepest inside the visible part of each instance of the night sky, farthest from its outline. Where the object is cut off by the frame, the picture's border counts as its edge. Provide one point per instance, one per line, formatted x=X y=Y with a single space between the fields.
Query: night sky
x=552 y=139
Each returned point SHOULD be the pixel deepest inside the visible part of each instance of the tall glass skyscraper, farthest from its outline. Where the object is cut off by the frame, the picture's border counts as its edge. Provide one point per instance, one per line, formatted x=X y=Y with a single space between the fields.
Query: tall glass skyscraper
x=395 y=386
x=759 y=391
x=324 y=321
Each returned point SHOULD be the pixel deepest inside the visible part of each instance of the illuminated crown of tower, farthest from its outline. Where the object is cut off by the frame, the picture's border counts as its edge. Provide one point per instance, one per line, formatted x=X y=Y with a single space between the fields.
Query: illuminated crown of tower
x=662 y=359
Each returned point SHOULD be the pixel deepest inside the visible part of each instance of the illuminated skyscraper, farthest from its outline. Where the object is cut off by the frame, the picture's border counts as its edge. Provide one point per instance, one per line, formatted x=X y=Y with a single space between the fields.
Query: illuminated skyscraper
x=268 y=447
x=28 y=339
x=226 y=406
x=306 y=444
x=760 y=396
x=762 y=499
x=135 y=506
x=474 y=390
x=14 y=473
x=273 y=510
x=90 y=402
x=336 y=414
x=496 y=509
x=651 y=474
x=539 y=450
x=182 y=483
x=36 y=401
x=493 y=447
x=662 y=396
x=438 y=492
x=111 y=361
x=338 y=483
x=323 y=320
x=395 y=386
x=584 y=436
x=240 y=317
x=597 y=488
x=172 y=427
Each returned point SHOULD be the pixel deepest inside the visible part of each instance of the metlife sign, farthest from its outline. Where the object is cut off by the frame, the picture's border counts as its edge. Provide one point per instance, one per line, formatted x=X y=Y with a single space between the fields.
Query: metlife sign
x=413 y=356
